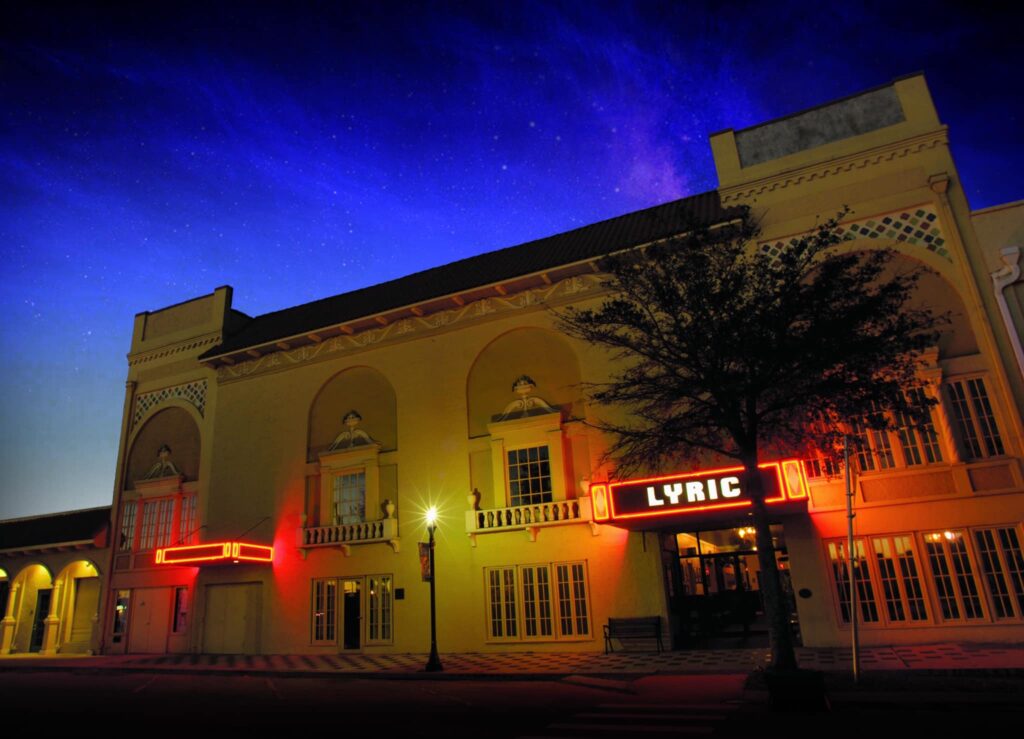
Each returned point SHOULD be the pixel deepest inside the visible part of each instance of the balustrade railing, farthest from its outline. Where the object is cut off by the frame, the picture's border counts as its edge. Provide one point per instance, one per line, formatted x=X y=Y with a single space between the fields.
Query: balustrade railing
x=529 y=517
x=350 y=534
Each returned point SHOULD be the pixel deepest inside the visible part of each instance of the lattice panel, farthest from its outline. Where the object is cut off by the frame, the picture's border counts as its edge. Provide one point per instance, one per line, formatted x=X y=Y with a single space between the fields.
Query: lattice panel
x=192 y=392
x=916 y=227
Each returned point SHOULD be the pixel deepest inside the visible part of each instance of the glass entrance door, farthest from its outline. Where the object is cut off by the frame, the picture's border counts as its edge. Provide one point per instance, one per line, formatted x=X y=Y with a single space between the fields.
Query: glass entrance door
x=720 y=603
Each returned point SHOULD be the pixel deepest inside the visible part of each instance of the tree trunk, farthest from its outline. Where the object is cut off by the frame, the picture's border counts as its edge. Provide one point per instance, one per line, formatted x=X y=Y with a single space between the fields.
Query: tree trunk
x=775 y=606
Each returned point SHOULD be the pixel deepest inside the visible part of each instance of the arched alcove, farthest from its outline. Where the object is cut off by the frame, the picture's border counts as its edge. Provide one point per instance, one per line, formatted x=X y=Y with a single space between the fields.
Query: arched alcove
x=31 y=589
x=78 y=609
x=173 y=427
x=361 y=389
x=544 y=356
x=941 y=297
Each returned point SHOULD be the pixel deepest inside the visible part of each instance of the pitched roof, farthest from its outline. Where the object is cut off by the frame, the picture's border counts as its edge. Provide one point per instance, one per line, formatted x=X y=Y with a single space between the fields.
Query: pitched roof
x=53 y=528
x=581 y=244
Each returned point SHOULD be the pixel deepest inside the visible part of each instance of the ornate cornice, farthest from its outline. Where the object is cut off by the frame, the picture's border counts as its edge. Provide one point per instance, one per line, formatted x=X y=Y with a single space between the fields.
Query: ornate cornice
x=413 y=326
x=810 y=173
x=198 y=342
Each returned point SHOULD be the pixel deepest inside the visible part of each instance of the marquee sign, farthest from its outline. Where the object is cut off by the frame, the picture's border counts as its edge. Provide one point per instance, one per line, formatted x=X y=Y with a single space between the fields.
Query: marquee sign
x=225 y=552
x=694 y=492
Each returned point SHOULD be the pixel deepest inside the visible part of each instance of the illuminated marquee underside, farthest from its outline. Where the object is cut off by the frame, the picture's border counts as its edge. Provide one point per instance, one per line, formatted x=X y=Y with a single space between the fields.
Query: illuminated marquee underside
x=224 y=552
x=671 y=498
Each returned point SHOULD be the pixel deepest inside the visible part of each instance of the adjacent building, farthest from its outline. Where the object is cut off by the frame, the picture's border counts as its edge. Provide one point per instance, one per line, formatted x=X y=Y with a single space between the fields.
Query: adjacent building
x=274 y=471
x=50 y=581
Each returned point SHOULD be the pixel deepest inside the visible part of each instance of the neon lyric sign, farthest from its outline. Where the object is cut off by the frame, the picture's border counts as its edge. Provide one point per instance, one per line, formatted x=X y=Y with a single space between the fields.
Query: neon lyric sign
x=693 y=492
x=224 y=552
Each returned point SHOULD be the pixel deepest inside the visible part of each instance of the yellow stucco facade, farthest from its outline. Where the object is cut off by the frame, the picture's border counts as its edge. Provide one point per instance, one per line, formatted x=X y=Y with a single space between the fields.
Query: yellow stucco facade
x=467 y=398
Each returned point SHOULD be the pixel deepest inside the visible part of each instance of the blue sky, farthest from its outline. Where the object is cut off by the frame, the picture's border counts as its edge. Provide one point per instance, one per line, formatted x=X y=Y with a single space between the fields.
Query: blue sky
x=149 y=153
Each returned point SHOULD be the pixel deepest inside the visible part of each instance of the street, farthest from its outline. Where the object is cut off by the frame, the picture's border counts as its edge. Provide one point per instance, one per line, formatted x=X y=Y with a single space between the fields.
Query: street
x=496 y=707
x=176 y=703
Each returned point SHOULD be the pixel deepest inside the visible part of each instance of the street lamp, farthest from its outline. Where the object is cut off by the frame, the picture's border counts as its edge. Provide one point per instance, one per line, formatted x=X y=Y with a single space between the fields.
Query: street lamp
x=434 y=661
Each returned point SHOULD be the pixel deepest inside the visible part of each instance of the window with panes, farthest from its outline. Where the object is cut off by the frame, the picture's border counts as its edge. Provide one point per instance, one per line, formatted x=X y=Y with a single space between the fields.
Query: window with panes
x=187 y=527
x=538 y=602
x=1002 y=567
x=917 y=436
x=529 y=475
x=975 y=419
x=324 y=611
x=163 y=522
x=379 y=608
x=952 y=573
x=888 y=576
x=914 y=441
x=350 y=497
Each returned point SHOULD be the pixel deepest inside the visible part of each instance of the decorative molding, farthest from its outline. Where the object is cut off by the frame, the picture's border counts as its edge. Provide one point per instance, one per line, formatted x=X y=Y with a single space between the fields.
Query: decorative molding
x=814 y=172
x=1002 y=278
x=915 y=226
x=191 y=392
x=526 y=404
x=351 y=436
x=406 y=327
x=167 y=351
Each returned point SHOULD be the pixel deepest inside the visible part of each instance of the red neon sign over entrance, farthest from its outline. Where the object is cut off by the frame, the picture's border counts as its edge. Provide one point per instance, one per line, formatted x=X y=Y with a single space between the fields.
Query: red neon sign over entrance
x=694 y=492
x=219 y=553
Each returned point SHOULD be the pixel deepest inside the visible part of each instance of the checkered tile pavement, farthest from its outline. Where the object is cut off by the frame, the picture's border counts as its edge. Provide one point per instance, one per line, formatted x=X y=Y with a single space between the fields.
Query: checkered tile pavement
x=927 y=657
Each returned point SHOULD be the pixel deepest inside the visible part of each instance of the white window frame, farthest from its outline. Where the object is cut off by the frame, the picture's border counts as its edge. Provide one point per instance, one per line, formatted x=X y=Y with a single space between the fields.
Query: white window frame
x=906 y=446
x=343 y=484
x=376 y=613
x=538 y=602
x=1000 y=556
x=340 y=463
x=876 y=611
x=975 y=418
x=322 y=603
x=187 y=518
x=525 y=433
x=164 y=522
x=129 y=526
x=380 y=609
x=948 y=582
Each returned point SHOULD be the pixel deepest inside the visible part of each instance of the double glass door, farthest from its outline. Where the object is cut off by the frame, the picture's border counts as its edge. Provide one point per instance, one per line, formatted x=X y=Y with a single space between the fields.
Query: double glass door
x=719 y=586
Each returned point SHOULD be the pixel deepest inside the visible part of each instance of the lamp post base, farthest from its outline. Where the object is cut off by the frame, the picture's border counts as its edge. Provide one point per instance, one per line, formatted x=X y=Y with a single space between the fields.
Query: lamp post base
x=434 y=663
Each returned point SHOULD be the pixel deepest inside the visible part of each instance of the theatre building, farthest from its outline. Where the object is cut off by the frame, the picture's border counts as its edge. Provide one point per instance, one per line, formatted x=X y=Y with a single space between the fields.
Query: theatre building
x=274 y=471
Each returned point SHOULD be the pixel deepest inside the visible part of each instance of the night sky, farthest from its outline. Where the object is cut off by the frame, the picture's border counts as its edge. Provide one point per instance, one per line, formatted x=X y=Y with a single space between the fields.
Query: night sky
x=149 y=155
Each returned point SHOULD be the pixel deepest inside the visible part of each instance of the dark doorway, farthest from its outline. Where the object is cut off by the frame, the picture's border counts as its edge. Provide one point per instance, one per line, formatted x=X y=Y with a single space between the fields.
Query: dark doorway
x=351 y=610
x=38 y=622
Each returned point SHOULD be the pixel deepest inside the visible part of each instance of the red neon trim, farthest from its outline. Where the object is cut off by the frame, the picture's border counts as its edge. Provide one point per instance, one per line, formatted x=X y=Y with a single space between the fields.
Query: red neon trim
x=192 y=553
x=599 y=495
x=253 y=552
x=226 y=551
x=793 y=473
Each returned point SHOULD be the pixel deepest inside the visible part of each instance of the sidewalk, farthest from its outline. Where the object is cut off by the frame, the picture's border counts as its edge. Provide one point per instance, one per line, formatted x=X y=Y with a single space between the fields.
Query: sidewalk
x=949 y=658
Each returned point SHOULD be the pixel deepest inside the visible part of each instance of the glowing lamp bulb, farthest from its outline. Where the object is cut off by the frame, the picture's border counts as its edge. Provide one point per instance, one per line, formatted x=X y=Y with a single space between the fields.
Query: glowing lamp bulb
x=432 y=516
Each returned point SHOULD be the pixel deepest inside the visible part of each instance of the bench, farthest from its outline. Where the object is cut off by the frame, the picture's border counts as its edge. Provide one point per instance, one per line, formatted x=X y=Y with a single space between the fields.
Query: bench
x=642 y=627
